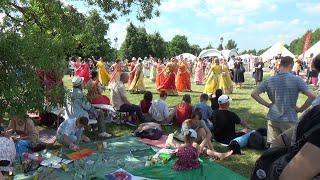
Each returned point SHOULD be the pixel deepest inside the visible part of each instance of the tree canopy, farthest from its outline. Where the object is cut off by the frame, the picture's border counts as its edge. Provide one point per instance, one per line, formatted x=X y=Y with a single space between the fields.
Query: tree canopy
x=37 y=36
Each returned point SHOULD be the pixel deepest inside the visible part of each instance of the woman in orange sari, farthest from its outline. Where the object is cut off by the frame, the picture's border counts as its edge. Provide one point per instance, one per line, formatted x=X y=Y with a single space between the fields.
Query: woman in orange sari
x=132 y=69
x=168 y=83
x=160 y=73
x=183 y=82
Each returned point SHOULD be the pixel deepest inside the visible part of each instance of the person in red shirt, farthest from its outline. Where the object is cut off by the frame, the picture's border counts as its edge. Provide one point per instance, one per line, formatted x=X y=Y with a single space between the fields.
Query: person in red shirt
x=184 y=109
x=145 y=105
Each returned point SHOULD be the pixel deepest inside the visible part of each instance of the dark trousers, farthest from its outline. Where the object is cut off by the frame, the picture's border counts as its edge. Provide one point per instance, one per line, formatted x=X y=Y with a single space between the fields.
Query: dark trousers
x=132 y=109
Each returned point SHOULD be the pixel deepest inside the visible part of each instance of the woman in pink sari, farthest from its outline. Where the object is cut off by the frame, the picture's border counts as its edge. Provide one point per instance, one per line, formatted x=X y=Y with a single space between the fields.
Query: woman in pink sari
x=116 y=71
x=77 y=66
x=199 y=72
x=85 y=71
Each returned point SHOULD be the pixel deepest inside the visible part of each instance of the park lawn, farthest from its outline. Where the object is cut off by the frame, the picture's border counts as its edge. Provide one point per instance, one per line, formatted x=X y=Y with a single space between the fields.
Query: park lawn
x=242 y=104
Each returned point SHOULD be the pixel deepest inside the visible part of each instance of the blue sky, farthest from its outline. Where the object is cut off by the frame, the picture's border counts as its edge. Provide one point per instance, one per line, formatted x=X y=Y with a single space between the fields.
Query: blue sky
x=251 y=23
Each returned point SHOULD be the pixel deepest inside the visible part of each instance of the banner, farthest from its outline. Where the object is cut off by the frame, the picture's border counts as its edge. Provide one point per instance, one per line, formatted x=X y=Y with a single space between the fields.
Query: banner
x=307 y=41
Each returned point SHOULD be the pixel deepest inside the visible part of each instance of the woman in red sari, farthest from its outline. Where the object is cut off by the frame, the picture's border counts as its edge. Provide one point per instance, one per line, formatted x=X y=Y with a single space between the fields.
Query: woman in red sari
x=168 y=83
x=85 y=71
x=160 y=73
x=95 y=91
x=132 y=69
x=183 y=82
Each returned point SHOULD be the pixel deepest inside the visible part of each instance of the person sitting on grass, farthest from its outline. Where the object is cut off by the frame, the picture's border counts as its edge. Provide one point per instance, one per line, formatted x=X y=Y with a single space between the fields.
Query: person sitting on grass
x=206 y=111
x=78 y=106
x=95 y=90
x=214 y=100
x=187 y=154
x=225 y=121
x=145 y=105
x=120 y=101
x=7 y=154
x=202 y=139
x=70 y=132
x=159 y=110
x=184 y=109
x=22 y=128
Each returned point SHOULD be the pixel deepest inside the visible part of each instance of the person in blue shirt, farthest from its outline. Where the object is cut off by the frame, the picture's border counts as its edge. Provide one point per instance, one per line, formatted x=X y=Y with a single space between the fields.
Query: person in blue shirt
x=205 y=110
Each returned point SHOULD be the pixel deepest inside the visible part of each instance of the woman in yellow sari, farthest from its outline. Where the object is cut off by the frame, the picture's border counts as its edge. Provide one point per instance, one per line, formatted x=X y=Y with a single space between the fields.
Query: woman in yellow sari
x=103 y=75
x=212 y=83
x=225 y=82
x=137 y=84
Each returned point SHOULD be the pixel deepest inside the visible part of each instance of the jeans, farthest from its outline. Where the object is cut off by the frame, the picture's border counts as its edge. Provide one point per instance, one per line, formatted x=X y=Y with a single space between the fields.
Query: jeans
x=132 y=109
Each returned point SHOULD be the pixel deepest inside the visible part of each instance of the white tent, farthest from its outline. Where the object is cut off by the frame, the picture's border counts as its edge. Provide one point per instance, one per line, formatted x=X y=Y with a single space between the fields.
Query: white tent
x=210 y=53
x=187 y=55
x=315 y=50
x=228 y=53
x=276 y=49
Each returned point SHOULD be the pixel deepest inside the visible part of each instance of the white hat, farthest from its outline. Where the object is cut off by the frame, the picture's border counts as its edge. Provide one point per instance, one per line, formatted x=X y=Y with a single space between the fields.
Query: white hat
x=77 y=81
x=134 y=59
x=224 y=99
x=192 y=133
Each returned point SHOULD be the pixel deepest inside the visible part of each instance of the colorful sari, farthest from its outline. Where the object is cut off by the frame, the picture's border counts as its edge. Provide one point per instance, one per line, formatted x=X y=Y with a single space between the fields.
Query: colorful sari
x=77 y=68
x=225 y=82
x=137 y=84
x=168 y=82
x=153 y=72
x=132 y=72
x=183 y=82
x=95 y=96
x=85 y=72
x=199 y=73
x=212 y=83
x=160 y=74
x=115 y=76
x=103 y=74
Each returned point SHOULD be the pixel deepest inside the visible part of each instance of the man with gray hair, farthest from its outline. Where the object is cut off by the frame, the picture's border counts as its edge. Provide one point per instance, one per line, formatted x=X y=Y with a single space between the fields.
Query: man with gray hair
x=120 y=101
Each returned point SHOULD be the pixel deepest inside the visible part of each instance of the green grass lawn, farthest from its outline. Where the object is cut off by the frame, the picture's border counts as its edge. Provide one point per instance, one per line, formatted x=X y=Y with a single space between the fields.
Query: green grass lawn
x=242 y=104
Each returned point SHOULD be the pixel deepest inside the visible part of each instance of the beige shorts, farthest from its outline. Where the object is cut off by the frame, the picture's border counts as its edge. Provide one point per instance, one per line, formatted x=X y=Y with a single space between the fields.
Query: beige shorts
x=276 y=128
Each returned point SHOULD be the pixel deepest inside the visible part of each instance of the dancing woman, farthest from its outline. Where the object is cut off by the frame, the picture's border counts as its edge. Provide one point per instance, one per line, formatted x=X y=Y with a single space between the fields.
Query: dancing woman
x=212 y=82
x=116 y=71
x=225 y=82
x=137 y=84
x=199 y=72
x=132 y=69
x=168 y=83
x=183 y=82
x=103 y=75
x=160 y=73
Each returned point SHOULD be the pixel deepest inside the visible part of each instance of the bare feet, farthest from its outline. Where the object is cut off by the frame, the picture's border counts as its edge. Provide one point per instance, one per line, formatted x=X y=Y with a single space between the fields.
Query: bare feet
x=169 y=141
x=219 y=156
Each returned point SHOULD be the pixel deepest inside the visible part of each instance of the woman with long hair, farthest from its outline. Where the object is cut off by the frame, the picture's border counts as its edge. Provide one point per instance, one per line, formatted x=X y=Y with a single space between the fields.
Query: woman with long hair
x=199 y=71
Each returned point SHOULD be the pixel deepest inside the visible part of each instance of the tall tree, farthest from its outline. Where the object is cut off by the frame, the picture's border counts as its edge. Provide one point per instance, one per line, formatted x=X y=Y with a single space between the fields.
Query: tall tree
x=40 y=35
x=220 y=47
x=178 y=45
x=231 y=44
x=195 y=49
x=209 y=46
x=157 y=45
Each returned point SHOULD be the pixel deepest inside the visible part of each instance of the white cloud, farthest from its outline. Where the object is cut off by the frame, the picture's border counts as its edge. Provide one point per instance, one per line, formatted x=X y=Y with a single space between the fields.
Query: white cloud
x=168 y=34
x=309 y=7
x=178 y=5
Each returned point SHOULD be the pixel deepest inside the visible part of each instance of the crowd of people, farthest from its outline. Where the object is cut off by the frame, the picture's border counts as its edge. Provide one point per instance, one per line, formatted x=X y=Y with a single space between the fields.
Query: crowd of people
x=200 y=123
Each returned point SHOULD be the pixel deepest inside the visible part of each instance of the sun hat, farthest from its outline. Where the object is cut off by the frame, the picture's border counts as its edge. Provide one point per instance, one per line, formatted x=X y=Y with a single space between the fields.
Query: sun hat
x=77 y=81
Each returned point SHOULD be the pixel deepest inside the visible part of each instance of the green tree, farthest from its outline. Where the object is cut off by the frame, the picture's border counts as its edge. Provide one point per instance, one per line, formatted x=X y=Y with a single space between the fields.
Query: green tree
x=41 y=35
x=136 y=43
x=157 y=45
x=195 y=49
x=231 y=44
x=220 y=47
x=209 y=46
x=178 y=45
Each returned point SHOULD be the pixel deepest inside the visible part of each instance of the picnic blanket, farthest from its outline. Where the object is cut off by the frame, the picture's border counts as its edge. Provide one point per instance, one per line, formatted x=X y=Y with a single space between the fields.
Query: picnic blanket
x=47 y=136
x=208 y=170
x=160 y=143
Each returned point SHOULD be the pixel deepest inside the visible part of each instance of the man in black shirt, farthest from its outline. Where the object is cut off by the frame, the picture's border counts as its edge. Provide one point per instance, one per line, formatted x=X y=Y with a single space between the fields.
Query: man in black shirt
x=225 y=121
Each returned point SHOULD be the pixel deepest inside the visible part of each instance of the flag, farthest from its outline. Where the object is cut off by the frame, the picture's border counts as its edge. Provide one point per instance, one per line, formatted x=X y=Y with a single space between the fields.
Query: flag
x=307 y=42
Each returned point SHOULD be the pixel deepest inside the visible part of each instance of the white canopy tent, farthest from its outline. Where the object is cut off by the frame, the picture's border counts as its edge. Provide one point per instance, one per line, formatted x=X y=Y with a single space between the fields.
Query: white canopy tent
x=187 y=55
x=276 y=49
x=228 y=53
x=315 y=50
x=210 y=53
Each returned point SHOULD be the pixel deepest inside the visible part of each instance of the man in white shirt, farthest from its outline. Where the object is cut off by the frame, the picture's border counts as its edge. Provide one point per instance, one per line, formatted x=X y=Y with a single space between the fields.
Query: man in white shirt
x=120 y=101
x=231 y=66
x=70 y=132
x=159 y=110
